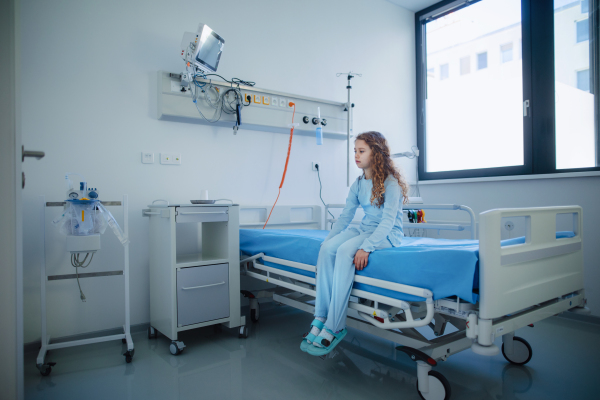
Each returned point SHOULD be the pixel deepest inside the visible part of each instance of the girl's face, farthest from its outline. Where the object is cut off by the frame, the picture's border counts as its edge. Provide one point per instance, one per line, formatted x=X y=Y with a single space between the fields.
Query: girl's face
x=362 y=154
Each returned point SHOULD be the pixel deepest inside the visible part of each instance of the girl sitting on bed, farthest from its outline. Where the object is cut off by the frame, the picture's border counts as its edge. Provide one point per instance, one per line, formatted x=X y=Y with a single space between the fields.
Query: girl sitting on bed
x=380 y=191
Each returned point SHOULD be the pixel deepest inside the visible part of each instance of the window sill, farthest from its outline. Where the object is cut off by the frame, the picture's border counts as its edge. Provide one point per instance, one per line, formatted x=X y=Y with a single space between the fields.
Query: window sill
x=512 y=178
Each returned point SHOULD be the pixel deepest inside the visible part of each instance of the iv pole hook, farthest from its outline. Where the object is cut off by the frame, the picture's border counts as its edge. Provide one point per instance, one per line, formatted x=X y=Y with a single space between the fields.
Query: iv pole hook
x=349 y=106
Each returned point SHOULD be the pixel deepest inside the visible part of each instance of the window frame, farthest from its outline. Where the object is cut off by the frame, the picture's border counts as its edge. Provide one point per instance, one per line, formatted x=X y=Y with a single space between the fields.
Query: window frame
x=539 y=137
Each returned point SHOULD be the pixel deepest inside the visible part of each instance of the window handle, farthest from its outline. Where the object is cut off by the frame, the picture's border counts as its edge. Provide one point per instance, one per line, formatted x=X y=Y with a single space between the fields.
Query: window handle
x=525 y=107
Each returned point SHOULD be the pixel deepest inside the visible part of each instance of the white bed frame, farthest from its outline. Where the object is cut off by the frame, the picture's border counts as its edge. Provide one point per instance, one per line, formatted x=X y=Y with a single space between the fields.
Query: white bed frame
x=519 y=285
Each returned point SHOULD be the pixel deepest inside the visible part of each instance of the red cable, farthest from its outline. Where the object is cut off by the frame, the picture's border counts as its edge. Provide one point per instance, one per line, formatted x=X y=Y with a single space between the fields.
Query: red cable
x=287 y=160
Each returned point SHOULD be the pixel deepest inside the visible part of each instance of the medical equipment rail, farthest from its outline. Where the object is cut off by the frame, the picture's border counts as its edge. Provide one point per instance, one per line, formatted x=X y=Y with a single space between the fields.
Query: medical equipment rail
x=125 y=337
x=519 y=285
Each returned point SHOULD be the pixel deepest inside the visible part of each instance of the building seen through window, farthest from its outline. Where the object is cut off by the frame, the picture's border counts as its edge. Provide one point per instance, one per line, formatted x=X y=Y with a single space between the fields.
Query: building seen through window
x=478 y=108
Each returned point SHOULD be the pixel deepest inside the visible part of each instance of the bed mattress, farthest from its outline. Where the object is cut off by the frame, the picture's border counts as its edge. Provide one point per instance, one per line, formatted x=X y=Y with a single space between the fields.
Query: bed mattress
x=444 y=266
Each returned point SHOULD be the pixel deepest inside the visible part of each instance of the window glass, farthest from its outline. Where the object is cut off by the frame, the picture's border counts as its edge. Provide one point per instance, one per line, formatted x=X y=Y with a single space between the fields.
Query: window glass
x=444 y=71
x=465 y=65
x=575 y=130
x=583 y=30
x=475 y=120
x=506 y=51
x=583 y=80
x=481 y=60
x=585 y=6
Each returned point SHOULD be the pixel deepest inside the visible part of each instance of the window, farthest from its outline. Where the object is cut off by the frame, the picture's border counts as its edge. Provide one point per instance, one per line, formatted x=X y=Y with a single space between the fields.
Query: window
x=585 y=6
x=583 y=80
x=506 y=52
x=465 y=65
x=444 y=71
x=575 y=98
x=583 y=30
x=482 y=60
x=508 y=121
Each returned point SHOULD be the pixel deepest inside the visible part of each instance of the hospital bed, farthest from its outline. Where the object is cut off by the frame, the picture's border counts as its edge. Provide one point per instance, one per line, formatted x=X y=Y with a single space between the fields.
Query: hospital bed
x=485 y=289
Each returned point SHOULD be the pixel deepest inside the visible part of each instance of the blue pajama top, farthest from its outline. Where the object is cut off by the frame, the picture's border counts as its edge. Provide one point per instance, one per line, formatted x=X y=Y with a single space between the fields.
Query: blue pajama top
x=383 y=223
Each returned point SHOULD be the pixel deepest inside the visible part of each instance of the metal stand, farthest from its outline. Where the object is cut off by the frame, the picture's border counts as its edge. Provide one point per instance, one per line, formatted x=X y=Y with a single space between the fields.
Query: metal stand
x=46 y=368
x=349 y=107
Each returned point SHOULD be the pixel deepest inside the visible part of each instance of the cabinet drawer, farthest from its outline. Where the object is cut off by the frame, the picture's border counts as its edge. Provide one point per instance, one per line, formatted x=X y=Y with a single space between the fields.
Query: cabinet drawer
x=202 y=294
x=201 y=214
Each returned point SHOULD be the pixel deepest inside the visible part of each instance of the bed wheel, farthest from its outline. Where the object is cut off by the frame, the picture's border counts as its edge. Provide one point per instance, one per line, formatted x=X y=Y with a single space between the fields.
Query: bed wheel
x=439 y=387
x=243 y=332
x=521 y=352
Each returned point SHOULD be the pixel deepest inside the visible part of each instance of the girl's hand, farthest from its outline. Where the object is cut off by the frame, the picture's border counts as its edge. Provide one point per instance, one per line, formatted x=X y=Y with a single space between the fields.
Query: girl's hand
x=361 y=258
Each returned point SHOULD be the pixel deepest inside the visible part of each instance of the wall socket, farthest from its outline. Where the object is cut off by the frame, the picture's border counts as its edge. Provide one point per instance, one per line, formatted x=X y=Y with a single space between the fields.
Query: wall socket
x=315 y=164
x=170 y=158
x=509 y=226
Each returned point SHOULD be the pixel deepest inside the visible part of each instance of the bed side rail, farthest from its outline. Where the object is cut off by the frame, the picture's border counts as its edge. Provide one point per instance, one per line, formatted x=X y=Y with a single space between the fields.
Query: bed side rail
x=515 y=277
x=470 y=227
x=372 y=314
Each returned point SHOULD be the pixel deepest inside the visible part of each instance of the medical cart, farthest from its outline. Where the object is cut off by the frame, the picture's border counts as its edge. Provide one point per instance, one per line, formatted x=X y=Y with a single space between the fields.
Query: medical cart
x=194 y=269
x=44 y=367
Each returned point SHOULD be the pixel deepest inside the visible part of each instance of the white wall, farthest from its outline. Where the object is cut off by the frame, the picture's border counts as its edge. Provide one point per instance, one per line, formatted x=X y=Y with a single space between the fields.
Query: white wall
x=585 y=192
x=88 y=95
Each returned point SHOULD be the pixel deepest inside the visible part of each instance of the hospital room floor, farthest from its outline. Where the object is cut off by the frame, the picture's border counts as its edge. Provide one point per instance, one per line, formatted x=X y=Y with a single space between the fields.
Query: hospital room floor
x=270 y=365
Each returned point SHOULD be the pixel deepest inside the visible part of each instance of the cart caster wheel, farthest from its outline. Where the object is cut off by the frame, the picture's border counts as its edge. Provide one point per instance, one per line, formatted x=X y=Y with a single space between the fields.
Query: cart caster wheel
x=254 y=313
x=439 y=387
x=243 y=332
x=176 y=348
x=45 y=369
x=129 y=355
x=521 y=352
x=152 y=333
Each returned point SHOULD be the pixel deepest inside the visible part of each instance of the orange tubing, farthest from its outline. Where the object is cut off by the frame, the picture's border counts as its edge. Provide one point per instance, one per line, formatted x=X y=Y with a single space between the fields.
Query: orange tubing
x=287 y=160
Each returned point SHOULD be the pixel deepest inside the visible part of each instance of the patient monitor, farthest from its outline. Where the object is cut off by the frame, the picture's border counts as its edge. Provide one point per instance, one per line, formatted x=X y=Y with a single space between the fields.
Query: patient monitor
x=202 y=49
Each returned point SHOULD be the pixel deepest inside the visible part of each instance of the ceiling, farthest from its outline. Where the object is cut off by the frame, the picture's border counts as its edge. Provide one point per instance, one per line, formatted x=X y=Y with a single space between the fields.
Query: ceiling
x=414 y=5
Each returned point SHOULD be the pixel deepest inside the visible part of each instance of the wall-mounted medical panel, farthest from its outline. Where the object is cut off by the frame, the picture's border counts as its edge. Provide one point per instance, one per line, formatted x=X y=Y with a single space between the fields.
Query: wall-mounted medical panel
x=268 y=111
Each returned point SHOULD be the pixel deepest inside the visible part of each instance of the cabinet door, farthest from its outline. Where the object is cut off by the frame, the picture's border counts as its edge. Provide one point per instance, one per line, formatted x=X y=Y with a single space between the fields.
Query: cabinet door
x=202 y=294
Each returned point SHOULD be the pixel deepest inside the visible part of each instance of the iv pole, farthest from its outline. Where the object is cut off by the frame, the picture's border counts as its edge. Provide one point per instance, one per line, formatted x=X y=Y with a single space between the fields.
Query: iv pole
x=349 y=106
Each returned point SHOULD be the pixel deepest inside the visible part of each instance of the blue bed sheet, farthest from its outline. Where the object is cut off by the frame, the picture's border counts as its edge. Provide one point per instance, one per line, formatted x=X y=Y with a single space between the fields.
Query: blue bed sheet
x=446 y=267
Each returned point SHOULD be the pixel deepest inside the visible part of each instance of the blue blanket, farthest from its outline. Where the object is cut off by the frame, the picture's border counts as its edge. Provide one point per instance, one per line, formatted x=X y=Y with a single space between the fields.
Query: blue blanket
x=446 y=267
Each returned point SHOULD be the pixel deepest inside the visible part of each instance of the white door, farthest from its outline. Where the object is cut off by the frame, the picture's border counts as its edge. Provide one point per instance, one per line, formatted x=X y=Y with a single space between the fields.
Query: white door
x=11 y=264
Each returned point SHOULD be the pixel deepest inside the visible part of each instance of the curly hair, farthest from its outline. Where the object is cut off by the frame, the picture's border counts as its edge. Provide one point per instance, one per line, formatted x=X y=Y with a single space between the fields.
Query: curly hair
x=382 y=167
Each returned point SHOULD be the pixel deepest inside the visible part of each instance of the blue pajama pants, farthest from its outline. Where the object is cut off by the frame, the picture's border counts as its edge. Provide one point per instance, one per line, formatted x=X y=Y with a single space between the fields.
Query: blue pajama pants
x=335 y=276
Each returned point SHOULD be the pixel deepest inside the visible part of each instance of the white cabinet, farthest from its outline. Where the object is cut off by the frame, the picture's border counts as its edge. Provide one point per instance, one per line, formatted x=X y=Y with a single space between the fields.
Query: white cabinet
x=194 y=269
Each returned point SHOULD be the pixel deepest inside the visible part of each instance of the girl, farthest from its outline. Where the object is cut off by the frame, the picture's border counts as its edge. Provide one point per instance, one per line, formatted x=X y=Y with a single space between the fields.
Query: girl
x=380 y=191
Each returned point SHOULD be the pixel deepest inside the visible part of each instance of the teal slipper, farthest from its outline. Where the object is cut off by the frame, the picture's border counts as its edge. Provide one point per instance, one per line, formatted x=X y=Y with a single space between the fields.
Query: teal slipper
x=327 y=346
x=309 y=336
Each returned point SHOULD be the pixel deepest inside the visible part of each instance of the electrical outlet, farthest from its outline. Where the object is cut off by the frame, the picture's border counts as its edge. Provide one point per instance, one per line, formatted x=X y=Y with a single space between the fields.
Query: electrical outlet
x=170 y=159
x=315 y=165
x=275 y=101
x=266 y=100
x=509 y=226
x=147 y=158
x=282 y=102
x=257 y=98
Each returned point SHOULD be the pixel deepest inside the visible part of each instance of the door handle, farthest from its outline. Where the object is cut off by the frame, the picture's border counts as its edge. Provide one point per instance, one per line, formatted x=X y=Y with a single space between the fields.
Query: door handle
x=26 y=153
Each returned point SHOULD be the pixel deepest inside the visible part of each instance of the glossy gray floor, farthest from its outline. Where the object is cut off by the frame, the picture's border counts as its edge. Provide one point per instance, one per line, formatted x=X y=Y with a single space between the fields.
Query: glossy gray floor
x=270 y=365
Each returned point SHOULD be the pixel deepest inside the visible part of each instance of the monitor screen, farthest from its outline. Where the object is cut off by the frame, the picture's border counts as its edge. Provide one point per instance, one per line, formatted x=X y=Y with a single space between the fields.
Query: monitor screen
x=210 y=47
